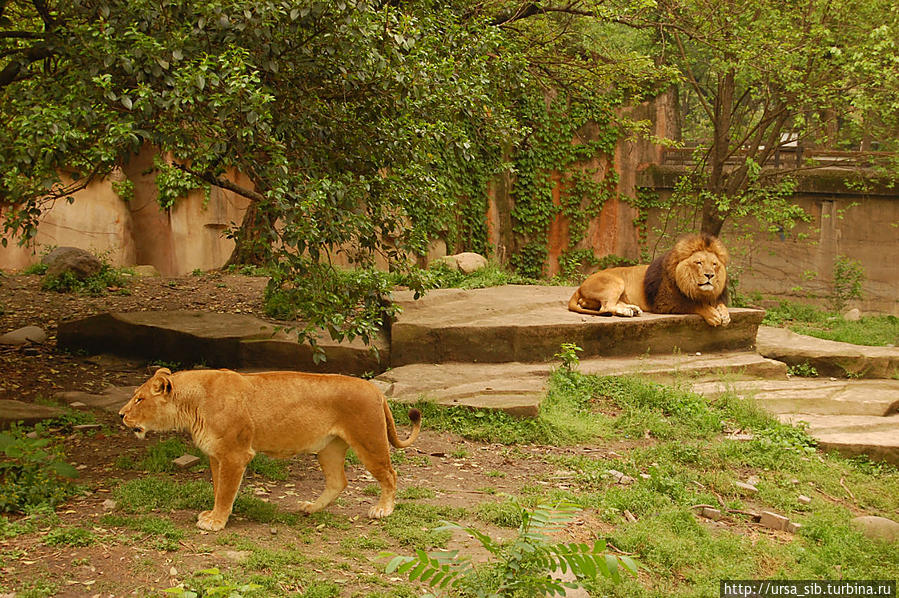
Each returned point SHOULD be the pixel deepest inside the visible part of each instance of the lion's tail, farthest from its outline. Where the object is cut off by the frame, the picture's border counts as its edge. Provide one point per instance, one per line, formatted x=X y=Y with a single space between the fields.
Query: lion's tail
x=573 y=304
x=414 y=415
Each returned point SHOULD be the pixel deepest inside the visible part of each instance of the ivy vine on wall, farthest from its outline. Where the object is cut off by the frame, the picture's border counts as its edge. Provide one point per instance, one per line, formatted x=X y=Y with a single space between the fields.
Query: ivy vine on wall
x=567 y=135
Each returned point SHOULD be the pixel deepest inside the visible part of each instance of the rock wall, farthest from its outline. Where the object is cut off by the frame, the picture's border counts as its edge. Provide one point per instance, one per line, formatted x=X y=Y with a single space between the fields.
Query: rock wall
x=138 y=231
x=798 y=265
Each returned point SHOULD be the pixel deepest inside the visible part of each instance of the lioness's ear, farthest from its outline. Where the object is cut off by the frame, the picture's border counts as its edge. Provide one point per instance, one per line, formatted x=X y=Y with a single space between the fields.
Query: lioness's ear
x=161 y=383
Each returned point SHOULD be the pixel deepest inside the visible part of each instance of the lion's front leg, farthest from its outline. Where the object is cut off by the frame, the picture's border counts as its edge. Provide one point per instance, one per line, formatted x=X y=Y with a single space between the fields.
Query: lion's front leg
x=227 y=473
x=714 y=315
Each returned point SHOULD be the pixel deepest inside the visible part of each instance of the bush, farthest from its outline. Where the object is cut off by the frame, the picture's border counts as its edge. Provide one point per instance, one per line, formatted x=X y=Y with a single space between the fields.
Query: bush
x=32 y=473
x=97 y=284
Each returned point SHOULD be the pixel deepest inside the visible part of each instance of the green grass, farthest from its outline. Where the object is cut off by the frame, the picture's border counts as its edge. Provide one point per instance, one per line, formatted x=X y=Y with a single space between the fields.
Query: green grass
x=412 y=524
x=70 y=536
x=165 y=533
x=820 y=323
x=159 y=457
x=441 y=276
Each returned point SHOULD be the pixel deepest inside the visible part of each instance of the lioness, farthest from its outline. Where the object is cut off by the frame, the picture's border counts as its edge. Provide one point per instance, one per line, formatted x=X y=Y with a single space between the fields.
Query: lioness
x=233 y=416
x=691 y=278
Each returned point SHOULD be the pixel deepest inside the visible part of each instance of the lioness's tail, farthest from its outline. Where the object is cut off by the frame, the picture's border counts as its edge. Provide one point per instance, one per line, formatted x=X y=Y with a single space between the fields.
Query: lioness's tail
x=414 y=415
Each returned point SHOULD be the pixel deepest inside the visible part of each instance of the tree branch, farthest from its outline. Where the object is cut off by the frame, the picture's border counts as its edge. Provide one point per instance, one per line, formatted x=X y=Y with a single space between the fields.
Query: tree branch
x=221 y=183
x=12 y=70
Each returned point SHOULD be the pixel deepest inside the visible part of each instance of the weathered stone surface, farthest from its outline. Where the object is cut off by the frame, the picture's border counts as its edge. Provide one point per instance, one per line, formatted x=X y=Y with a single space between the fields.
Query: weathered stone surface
x=814 y=395
x=529 y=323
x=73 y=260
x=875 y=437
x=773 y=520
x=829 y=358
x=879 y=528
x=215 y=340
x=185 y=461
x=111 y=399
x=519 y=387
x=514 y=388
x=27 y=413
x=746 y=487
x=24 y=335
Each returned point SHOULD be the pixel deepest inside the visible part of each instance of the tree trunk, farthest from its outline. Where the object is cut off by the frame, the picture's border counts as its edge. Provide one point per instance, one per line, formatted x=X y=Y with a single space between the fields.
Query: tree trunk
x=253 y=240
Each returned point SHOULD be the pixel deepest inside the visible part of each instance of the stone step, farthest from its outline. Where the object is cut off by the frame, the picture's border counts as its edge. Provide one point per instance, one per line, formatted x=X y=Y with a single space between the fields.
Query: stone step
x=236 y=341
x=829 y=358
x=875 y=437
x=518 y=388
x=815 y=396
x=530 y=323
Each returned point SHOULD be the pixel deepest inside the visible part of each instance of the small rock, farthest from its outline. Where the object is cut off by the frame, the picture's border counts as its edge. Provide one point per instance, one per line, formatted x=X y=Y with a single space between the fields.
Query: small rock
x=237 y=555
x=629 y=516
x=273 y=531
x=24 y=335
x=87 y=427
x=853 y=315
x=746 y=487
x=77 y=405
x=879 y=528
x=773 y=520
x=645 y=476
x=792 y=527
x=753 y=480
x=804 y=499
x=185 y=461
x=31 y=435
x=709 y=513
x=173 y=572
x=110 y=504
x=626 y=480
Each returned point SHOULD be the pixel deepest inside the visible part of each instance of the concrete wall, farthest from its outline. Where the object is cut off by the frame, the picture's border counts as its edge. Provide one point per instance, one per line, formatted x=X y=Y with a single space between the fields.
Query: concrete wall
x=176 y=241
x=798 y=265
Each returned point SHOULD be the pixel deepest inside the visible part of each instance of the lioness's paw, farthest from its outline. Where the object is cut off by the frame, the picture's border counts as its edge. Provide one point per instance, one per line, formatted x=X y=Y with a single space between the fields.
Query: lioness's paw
x=206 y=521
x=308 y=507
x=379 y=511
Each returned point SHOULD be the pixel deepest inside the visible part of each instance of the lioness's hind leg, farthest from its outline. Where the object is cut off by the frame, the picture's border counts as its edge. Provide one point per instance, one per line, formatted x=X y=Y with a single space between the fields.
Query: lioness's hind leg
x=375 y=456
x=331 y=459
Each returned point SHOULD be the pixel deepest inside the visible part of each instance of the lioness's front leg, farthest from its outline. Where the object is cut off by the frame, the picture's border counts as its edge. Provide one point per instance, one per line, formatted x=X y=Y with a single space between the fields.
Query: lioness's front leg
x=227 y=473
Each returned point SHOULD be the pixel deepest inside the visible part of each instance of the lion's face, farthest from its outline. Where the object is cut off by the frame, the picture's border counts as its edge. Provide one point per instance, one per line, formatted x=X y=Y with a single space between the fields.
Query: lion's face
x=151 y=407
x=701 y=276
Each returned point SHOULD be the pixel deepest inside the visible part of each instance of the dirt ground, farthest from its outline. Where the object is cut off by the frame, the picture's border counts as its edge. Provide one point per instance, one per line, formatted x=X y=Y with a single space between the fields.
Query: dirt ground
x=457 y=472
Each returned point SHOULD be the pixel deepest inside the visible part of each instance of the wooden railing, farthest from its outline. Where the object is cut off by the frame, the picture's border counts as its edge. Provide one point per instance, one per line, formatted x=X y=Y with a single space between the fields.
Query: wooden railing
x=790 y=157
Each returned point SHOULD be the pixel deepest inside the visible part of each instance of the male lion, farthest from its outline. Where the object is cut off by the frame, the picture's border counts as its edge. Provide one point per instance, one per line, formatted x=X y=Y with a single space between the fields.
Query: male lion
x=233 y=416
x=691 y=278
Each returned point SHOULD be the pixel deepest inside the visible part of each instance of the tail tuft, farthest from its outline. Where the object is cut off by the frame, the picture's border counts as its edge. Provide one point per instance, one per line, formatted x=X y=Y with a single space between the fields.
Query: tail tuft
x=414 y=416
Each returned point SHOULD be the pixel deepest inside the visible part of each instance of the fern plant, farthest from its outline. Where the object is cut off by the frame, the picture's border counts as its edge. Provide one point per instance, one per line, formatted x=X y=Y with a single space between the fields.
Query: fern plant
x=524 y=565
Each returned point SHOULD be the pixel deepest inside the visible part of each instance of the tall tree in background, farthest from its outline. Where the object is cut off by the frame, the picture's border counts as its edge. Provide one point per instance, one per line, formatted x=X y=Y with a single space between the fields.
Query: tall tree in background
x=763 y=74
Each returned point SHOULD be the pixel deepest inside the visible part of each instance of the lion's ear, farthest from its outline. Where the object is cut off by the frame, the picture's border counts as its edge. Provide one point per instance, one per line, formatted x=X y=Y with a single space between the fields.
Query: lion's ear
x=161 y=384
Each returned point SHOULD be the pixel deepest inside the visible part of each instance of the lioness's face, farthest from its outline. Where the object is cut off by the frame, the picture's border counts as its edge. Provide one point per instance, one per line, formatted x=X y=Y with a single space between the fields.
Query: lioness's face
x=151 y=407
x=702 y=275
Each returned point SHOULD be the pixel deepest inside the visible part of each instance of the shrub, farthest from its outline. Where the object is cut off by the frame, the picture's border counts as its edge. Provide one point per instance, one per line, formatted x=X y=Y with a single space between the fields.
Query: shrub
x=32 y=473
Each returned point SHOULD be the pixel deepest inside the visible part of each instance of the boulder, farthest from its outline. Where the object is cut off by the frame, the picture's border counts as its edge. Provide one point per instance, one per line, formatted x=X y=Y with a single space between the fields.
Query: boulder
x=76 y=261
x=23 y=336
x=878 y=528
x=466 y=262
x=853 y=315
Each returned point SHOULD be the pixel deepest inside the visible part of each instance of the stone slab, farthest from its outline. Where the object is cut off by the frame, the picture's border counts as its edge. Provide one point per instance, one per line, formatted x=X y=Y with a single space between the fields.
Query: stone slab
x=829 y=358
x=518 y=388
x=111 y=399
x=530 y=323
x=27 y=413
x=875 y=437
x=814 y=395
x=235 y=341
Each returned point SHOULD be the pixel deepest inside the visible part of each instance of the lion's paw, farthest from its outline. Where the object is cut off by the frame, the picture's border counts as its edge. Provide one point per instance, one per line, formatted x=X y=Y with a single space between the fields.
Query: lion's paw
x=725 y=315
x=379 y=511
x=206 y=521
x=628 y=311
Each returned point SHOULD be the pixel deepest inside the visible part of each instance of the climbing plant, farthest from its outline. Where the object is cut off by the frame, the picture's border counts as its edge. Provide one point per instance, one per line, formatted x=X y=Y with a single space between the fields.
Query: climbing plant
x=571 y=137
